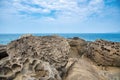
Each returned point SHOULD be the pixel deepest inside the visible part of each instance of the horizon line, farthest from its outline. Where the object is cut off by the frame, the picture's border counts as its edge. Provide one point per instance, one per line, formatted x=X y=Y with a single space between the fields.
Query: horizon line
x=65 y=33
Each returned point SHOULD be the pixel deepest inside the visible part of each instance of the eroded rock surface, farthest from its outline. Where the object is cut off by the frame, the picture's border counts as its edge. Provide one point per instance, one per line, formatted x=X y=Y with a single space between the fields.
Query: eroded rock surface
x=57 y=58
x=80 y=69
x=104 y=53
x=27 y=69
x=52 y=49
x=84 y=69
x=35 y=58
x=77 y=47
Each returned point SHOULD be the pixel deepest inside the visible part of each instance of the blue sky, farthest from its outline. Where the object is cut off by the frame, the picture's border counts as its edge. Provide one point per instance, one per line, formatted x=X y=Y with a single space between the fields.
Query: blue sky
x=59 y=16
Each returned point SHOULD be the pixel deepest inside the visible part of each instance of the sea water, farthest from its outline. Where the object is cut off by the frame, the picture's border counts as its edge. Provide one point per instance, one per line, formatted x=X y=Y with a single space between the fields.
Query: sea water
x=7 y=38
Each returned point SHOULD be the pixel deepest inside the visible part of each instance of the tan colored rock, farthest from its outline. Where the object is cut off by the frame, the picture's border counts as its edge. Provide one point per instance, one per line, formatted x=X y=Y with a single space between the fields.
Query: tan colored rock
x=30 y=69
x=85 y=69
x=82 y=70
x=57 y=58
x=104 y=53
x=52 y=49
x=78 y=47
x=35 y=58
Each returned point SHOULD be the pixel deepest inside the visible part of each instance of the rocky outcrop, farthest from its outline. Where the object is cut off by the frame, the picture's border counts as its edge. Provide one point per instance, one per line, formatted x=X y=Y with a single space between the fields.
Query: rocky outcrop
x=77 y=47
x=81 y=69
x=35 y=58
x=27 y=69
x=97 y=60
x=52 y=49
x=56 y=58
x=104 y=53
x=84 y=69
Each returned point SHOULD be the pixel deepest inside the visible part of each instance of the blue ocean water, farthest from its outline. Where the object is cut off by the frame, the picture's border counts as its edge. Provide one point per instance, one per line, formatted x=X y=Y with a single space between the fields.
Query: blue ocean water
x=7 y=38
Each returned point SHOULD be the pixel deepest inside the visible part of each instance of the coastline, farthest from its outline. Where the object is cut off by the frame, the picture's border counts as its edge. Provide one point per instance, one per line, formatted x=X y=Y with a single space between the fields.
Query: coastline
x=58 y=58
x=115 y=37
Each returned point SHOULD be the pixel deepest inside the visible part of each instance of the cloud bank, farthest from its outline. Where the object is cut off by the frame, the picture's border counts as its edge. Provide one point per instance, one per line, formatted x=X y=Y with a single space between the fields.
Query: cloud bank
x=60 y=15
x=55 y=8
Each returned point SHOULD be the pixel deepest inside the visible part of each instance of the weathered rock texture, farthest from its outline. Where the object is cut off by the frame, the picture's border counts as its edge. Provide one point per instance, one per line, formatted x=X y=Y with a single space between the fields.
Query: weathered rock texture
x=81 y=69
x=57 y=58
x=52 y=49
x=78 y=47
x=27 y=69
x=35 y=58
x=84 y=69
x=104 y=53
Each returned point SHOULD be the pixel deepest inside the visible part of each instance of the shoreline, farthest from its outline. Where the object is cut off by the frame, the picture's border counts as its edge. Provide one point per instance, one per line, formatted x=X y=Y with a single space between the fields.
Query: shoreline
x=58 y=58
x=5 y=39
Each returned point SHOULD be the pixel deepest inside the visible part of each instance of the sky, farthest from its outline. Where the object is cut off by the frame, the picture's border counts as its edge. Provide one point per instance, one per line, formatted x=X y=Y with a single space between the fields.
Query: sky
x=59 y=16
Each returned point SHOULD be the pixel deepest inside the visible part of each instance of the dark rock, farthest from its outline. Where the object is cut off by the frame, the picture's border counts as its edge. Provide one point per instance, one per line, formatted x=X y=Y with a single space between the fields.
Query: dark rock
x=3 y=52
x=76 y=38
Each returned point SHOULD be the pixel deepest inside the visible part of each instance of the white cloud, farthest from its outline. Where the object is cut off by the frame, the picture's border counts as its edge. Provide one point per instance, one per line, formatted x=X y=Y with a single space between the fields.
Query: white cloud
x=60 y=8
x=55 y=9
x=67 y=15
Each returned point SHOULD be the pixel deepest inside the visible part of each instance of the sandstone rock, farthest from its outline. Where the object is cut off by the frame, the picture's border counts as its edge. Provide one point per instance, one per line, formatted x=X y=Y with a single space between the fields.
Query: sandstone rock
x=84 y=69
x=52 y=49
x=104 y=53
x=27 y=69
x=80 y=69
x=57 y=58
x=34 y=58
x=78 y=47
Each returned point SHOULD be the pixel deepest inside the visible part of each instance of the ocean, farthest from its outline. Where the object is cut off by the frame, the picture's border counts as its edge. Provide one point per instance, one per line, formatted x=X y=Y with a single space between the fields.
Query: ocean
x=7 y=38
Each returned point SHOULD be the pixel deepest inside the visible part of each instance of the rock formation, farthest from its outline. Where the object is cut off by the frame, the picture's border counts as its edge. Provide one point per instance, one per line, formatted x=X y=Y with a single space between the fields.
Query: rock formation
x=52 y=49
x=82 y=69
x=77 y=47
x=56 y=58
x=104 y=53
x=36 y=58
